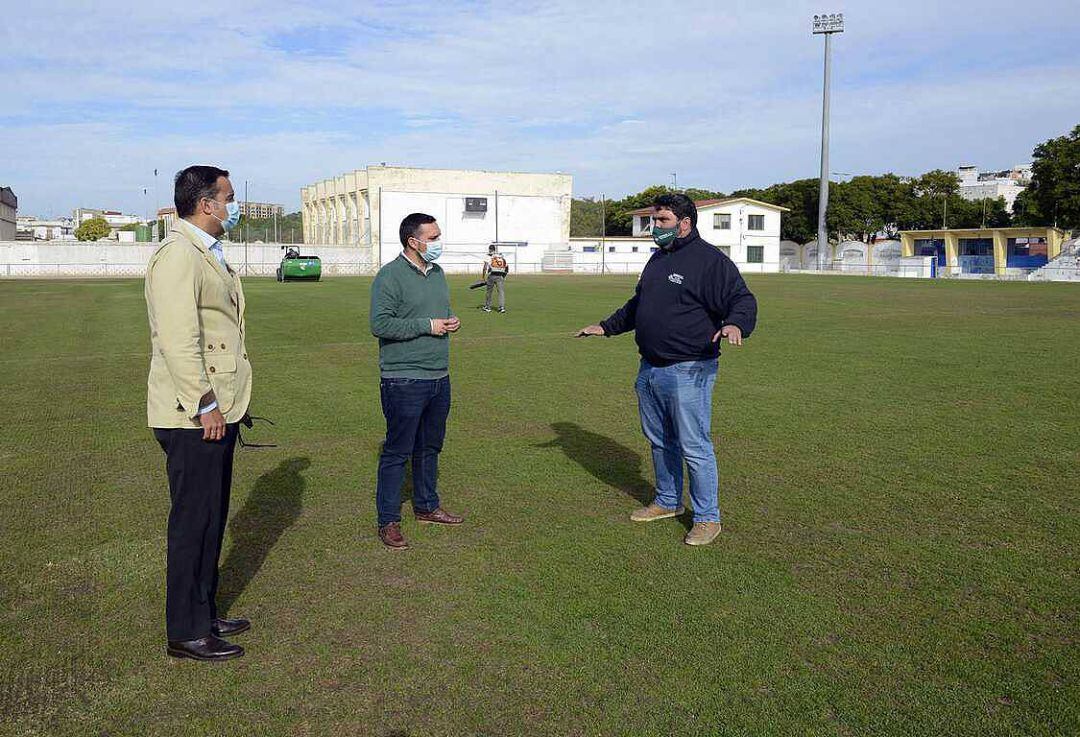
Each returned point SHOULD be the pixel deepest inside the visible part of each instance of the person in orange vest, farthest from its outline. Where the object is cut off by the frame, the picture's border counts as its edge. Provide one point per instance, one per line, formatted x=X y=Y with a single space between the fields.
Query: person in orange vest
x=495 y=271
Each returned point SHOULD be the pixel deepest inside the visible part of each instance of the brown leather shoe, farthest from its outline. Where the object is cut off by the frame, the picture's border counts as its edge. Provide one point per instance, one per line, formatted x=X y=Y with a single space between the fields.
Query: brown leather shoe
x=439 y=517
x=391 y=536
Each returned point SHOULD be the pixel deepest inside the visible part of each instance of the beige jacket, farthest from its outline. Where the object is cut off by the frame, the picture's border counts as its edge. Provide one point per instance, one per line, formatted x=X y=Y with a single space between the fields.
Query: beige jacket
x=196 y=311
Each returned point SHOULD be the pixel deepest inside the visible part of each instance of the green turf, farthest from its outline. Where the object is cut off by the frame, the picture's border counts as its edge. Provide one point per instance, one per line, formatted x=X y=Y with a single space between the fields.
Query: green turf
x=899 y=483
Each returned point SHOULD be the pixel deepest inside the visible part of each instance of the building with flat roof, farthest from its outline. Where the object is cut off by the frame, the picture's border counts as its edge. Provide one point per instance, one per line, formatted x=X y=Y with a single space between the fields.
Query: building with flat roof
x=529 y=214
x=261 y=210
x=985 y=251
x=114 y=218
x=9 y=208
x=982 y=185
x=747 y=230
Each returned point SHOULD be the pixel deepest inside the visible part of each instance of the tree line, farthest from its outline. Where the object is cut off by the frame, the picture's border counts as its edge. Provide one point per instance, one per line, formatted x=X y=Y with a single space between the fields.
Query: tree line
x=867 y=205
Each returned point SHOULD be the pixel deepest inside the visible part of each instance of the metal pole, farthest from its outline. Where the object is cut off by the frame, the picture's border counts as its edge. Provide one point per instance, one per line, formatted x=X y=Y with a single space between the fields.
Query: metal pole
x=823 y=189
x=496 y=216
x=603 y=235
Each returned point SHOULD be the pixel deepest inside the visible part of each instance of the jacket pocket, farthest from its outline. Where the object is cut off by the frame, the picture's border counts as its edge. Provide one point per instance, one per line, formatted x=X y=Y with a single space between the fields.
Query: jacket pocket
x=221 y=370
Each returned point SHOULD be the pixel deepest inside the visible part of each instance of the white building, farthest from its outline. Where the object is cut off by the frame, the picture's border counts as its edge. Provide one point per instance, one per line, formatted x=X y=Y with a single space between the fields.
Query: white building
x=747 y=230
x=38 y=229
x=114 y=218
x=528 y=214
x=9 y=207
x=977 y=185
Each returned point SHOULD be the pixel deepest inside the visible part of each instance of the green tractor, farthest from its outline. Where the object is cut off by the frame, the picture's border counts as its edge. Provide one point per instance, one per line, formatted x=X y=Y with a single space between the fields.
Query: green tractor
x=295 y=267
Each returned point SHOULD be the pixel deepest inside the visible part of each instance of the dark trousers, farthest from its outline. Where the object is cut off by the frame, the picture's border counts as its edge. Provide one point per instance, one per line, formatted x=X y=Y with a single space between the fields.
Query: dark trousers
x=200 y=479
x=416 y=412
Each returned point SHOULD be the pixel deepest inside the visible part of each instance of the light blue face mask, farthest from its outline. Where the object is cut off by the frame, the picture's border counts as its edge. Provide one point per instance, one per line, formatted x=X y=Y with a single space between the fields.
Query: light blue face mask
x=232 y=215
x=434 y=250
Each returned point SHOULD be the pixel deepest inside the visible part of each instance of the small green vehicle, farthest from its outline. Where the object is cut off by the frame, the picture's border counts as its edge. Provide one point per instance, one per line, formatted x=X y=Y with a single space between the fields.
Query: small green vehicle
x=295 y=267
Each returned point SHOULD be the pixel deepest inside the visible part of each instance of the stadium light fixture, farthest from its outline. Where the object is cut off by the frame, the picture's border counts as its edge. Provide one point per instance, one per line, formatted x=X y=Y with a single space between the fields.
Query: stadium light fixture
x=825 y=24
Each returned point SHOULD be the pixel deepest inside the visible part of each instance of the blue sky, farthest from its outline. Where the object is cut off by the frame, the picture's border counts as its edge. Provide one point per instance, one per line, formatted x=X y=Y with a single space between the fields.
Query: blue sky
x=95 y=96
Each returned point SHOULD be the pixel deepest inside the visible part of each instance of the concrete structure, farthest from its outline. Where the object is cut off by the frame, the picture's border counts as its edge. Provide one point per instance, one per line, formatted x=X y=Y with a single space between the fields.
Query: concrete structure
x=261 y=210
x=9 y=208
x=37 y=229
x=747 y=230
x=985 y=251
x=977 y=185
x=528 y=213
x=110 y=259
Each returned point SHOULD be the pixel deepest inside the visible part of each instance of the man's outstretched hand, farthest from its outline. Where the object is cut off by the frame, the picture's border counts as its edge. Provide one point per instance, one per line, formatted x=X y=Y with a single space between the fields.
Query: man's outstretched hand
x=590 y=330
x=731 y=332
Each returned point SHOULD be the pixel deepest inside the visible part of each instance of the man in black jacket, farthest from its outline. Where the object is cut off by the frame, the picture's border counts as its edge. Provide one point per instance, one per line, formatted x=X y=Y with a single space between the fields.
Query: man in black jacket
x=689 y=297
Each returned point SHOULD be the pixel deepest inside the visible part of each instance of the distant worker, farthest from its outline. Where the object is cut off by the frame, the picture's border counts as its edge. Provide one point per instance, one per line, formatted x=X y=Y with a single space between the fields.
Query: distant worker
x=689 y=298
x=495 y=271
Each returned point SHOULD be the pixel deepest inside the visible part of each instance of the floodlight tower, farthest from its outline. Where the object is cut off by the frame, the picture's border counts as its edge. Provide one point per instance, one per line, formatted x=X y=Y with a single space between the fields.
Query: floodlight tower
x=826 y=25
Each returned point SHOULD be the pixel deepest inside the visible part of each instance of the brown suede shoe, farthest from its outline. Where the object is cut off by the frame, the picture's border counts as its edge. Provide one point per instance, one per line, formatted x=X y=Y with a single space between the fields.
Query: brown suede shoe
x=702 y=533
x=391 y=536
x=439 y=517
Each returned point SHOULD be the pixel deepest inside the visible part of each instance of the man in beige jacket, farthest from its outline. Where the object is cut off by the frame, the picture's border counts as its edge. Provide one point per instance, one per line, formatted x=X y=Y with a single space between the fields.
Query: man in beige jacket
x=197 y=393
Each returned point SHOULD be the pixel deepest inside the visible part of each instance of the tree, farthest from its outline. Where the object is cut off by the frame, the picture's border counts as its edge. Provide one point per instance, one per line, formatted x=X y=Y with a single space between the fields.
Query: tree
x=586 y=217
x=1053 y=198
x=290 y=229
x=93 y=229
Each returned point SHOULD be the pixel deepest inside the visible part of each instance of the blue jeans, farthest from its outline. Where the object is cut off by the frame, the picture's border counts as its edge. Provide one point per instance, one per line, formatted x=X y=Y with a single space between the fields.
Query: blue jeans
x=416 y=412
x=675 y=403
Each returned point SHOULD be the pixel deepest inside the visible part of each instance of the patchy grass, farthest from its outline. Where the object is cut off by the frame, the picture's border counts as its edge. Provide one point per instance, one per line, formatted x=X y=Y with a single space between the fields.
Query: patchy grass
x=899 y=483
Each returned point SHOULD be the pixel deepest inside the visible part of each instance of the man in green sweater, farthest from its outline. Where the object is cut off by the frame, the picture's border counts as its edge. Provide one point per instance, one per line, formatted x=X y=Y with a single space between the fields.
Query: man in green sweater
x=411 y=317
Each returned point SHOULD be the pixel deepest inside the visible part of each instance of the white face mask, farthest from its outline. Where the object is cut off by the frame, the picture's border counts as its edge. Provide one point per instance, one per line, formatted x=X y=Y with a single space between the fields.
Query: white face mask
x=434 y=250
x=232 y=215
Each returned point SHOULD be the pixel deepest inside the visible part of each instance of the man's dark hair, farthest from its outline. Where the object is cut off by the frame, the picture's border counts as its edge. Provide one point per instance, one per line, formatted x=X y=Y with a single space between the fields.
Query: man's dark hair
x=194 y=183
x=410 y=226
x=491 y=248
x=679 y=204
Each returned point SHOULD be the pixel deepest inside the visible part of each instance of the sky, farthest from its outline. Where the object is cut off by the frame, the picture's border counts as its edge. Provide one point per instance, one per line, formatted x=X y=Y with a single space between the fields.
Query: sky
x=94 y=96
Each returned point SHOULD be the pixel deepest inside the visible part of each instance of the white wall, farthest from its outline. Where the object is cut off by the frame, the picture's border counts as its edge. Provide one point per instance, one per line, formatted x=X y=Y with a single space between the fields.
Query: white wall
x=111 y=259
x=536 y=220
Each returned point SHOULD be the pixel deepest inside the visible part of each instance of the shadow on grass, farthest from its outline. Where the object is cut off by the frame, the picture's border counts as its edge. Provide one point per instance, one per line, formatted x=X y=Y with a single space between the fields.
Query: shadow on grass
x=272 y=507
x=607 y=460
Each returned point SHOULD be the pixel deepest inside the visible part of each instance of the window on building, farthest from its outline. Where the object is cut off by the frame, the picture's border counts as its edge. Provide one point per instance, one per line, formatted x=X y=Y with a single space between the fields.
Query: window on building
x=755 y=254
x=653 y=249
x=611 y=249
x=590 y=249
x=726 y=250
x=645 y=222
x=633 y=249
x=755 y=222
x=721 y=221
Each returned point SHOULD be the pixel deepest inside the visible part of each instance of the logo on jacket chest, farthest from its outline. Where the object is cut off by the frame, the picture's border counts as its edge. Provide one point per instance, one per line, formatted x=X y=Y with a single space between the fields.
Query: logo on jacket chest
x=675 y=278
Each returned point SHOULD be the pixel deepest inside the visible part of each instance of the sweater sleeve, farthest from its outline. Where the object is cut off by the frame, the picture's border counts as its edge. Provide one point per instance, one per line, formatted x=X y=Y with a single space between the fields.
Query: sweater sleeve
x=385 y=299
x=623 y=319
x=727 y=296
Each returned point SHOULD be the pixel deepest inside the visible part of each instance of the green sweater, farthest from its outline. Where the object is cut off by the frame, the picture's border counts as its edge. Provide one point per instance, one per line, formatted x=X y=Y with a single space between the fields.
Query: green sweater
x=403 y=302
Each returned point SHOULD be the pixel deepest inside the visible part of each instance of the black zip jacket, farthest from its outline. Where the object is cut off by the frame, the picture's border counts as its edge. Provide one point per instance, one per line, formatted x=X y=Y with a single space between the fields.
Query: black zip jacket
x=686 y=293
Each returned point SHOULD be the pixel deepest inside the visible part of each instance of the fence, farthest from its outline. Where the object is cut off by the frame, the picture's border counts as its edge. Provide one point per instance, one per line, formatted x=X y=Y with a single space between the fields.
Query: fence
x=58 y=260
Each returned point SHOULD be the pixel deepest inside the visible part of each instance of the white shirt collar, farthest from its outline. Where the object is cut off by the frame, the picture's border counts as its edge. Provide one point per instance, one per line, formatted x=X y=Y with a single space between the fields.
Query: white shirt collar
x=424 y=271
x=207 y=239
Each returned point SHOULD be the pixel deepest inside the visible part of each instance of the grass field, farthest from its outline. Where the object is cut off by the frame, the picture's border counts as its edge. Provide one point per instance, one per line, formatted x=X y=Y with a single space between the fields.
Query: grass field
x=899 y=483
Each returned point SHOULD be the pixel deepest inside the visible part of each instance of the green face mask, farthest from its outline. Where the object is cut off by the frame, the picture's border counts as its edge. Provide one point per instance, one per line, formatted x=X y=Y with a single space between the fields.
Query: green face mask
x=664 y=237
